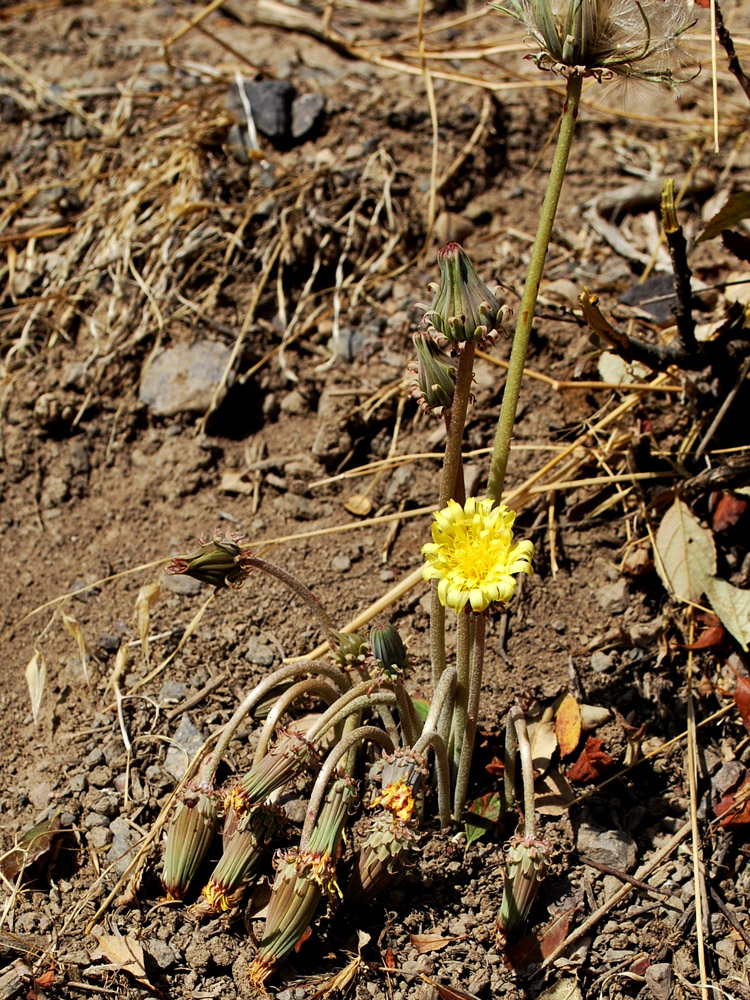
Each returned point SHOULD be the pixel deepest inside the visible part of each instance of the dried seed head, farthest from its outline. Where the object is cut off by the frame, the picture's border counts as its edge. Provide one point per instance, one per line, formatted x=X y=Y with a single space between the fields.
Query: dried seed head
x=221 y=562
x=641 y=39
x=463 y=309
x=526 y=860
x=388 y=649
x=340 y=799
x=435 y=381
x=189 y=837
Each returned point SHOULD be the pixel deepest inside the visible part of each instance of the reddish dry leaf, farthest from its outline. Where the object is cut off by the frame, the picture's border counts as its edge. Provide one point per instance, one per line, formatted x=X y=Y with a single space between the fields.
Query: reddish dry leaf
x=708 y=638
x=742 y=698
x=496 y=767
x=705 y=4
x=305 y=935
x=728 y=512
x=568 y=725
x=425 y=943
x=592 y=763
x=389 y=959
x=449 y=992
x=734 y=808
x=534 y=947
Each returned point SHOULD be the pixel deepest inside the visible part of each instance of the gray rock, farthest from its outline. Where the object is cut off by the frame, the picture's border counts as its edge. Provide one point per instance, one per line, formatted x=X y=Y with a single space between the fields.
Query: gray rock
x=124 y=841
x=183 y=378
x=306 y=112
x=259 y=652
x=173 y=691
x=341 y=564
x=187 y=742
x=94 y=757
x=100 y=777
x=613 y=597
x=161 y=953
x=270 y=106
x=613 y=848
x=301 y=508
x=659 y=980
x=99 y=837
x=185 y=585
x=602 y=662
x=729 y=775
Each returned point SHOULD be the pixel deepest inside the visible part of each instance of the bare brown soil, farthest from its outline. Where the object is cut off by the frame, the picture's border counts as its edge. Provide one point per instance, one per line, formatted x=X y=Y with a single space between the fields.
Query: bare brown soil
x=128 y=225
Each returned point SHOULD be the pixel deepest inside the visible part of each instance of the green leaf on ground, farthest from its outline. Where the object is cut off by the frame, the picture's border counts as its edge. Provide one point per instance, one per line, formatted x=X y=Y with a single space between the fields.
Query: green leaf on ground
x=483 y=813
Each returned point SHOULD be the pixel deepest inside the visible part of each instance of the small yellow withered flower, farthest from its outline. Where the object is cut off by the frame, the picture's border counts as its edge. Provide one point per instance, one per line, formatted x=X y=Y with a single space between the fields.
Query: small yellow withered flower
x=398 y=799
x=291 y=755
x=190 y=834
x=472 y=555
x=526 y=861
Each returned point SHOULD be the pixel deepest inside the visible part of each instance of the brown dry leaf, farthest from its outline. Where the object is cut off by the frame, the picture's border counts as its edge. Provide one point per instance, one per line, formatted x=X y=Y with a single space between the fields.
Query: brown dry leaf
x=358 y=504
x=38 y=844
x=389 y=959
x=433 y=941
x=533 y=948
x=36 y=678
x=543 y=743
x=73 y=627
x=340 y=981
x=592 y=763
x=553 y=794
x=712 y=635
x=449 y=992
x=686 y=555
x=733 y=809
x=741 y=695
x=634 y=736
x=568 y=725
x=728 y=512
x=124 y=953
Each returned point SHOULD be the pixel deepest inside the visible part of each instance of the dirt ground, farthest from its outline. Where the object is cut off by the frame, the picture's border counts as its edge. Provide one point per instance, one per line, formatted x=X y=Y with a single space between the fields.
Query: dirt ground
x=136 y=218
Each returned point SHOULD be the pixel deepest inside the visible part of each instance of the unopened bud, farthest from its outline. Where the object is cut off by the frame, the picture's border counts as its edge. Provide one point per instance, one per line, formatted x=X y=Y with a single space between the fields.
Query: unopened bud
x=463 y=309
x=190 y=834
x=435 y=383
x=351 y=648
x=526 y=861
x=388 y=649
x=384 y=852
x=221 y=562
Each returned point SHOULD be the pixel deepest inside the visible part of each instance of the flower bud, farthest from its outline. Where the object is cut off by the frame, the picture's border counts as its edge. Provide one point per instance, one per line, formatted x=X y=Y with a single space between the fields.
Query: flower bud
x=388 y=649
x=526 y=861
x=384 y=852
x=220 y=562
x=190 y=834
x=463 y=309
x=351 y=648
x=435 y=383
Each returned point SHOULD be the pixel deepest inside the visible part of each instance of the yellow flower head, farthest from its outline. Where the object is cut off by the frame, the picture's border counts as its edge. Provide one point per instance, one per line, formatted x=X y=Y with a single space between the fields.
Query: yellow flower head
x=398 y=799
x=472 y=554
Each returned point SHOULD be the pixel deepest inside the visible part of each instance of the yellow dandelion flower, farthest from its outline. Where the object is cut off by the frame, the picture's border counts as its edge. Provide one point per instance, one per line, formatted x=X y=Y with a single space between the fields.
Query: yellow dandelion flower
x=398 y=798
x=472 y=554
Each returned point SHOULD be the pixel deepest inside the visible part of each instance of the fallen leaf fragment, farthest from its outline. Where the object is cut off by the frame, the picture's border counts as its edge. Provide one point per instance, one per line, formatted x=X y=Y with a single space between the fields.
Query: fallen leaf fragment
x=543 y=742
x=591 y=764
x=124 y=953
x=425 y=943
x=741 y=697
x=483 y=813
x=732 y=605
x=389 y=959
x=36 y=678
x=38 y=844
x=733 y=809
x=728 y=512
x=533 y=948
x=564 y=989
x=568 y=725
x=685 y=553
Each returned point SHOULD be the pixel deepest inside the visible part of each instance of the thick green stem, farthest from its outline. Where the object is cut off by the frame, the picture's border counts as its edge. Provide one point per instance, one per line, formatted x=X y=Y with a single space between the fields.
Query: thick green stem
x=464 y=635
x=475 y=691
x=451 y=475
x=504 y=434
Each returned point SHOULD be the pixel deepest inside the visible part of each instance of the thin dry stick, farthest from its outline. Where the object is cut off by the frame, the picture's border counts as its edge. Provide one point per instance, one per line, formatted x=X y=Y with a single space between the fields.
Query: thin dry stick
x=643 y=872
x=698 y=874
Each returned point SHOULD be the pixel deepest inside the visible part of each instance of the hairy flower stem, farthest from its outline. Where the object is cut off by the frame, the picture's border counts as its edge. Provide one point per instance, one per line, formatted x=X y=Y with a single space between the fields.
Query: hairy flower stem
x=465 y=628
x=442 y=770
x=341 y=749
x=299 y=589
x=359 y=698
x=259 y=692
x=452 y=468
x=506 y=420
x=475 y=691
x=517 y=742
x=312 y=685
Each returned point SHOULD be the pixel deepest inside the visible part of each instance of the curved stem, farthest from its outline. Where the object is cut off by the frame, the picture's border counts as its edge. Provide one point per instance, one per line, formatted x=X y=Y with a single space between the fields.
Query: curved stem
x=356 y=700
x=517 y=740
x=342 y=748
x=442 y=698
x=443 y=771
x=504 y=434
x=310 y=686
x=261 y=690
x=509 y=759
x=475 y=691
x=410 y=726
x=299 y=588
